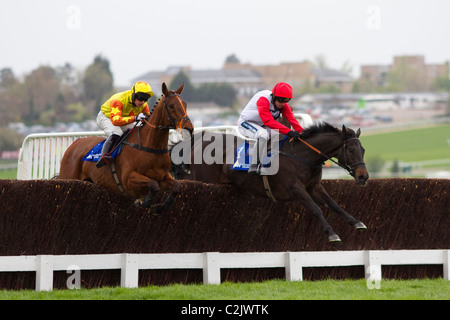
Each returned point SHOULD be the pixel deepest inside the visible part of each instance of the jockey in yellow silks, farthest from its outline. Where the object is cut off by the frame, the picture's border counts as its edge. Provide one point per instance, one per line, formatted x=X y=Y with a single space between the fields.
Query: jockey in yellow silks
x=120 y=112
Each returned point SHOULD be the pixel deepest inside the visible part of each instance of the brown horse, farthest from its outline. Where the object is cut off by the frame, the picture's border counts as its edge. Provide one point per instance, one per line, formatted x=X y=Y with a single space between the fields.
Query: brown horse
x=300 y=167
x=142 y=168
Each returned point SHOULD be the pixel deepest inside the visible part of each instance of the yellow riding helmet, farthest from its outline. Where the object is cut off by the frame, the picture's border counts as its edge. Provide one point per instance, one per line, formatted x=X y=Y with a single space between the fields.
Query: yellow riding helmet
x=143 y=87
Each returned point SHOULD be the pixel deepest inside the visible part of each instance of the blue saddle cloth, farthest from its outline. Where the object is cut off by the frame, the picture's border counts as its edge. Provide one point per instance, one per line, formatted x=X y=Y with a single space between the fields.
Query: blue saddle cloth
x=96 y=152
x=243 y=159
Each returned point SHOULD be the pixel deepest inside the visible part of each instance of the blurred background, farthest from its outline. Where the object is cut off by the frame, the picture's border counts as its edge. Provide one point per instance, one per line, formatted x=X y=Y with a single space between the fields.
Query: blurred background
x=381 y=66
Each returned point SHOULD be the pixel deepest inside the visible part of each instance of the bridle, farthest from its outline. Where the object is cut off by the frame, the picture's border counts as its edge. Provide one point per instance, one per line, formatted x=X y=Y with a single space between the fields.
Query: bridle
x=350 y=168
x=172 y=125
x=173 y=122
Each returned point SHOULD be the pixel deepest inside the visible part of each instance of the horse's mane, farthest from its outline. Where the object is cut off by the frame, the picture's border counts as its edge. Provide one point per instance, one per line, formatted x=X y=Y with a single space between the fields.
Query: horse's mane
x=317 y=128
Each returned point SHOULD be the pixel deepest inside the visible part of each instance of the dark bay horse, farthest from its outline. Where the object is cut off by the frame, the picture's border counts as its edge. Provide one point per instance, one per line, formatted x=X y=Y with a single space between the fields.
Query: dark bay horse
x=300 y=167
x=144 y=163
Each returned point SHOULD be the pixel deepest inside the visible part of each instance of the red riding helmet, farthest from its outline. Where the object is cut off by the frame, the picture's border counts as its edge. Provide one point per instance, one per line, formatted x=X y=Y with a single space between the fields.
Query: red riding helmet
x=282 y=90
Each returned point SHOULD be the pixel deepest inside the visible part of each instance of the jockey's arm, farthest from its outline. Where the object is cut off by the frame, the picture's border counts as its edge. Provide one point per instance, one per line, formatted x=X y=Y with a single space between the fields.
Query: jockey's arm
x=287 y=113
x=117 y=118
x=267 y=118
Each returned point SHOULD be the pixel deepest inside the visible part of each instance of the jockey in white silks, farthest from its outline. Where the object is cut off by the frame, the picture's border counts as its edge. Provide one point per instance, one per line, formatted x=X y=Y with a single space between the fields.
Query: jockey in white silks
x=258 y=120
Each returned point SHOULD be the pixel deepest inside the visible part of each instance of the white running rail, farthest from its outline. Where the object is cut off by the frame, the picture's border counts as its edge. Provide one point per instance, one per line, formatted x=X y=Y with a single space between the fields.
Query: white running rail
x=41 y=153
x=212 y=262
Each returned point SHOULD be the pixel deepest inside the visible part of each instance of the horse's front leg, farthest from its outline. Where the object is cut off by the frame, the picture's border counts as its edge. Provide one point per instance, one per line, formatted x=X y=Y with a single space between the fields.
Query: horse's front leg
x=173 y=187
x=299 y=193
x=142 y=185
x=322 y=197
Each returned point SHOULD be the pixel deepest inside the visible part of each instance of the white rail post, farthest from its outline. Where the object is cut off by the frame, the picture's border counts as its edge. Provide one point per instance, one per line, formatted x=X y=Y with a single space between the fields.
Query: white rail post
x=446 y=264
x=44 y=273
x=211 y=268
x=129 y=276
x=372 y=265
x=294 y=270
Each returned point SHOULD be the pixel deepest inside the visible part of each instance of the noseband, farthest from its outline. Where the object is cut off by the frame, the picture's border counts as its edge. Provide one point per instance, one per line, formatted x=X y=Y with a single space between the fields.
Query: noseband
x=352 y=167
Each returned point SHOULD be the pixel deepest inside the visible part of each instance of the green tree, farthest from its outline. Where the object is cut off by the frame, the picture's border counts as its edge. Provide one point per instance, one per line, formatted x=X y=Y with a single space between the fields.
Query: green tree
x=375 y=164
x=395 y=168
x=97 y=82
x=42 y=88
x=10 y=140
x=7 y=78
x=405 y=78
x=188 y=91
x=224 y=94
x=320 y=62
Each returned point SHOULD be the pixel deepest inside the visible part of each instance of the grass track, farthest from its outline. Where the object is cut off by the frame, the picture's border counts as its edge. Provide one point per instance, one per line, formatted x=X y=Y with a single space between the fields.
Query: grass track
x=409 y=145
x=425 y=289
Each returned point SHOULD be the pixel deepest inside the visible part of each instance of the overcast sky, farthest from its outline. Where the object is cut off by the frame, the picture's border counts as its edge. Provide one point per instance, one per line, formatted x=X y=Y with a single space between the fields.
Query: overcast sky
x=138 y=36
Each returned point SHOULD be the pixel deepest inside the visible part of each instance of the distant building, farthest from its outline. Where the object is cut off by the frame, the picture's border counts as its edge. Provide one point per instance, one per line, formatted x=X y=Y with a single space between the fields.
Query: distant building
x=377 y=101
x=426 y=73
x=332 y=78
x=297 y=74
x=245 y=81
x=248 y=79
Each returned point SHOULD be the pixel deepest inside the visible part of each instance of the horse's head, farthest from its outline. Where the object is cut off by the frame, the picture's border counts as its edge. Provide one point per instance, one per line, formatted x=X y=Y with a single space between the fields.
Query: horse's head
x=175 y=108
x=352 y=155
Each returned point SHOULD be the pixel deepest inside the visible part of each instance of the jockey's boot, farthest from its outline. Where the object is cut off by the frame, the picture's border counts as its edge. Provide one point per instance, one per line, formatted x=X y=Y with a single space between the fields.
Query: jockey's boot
x=260 y=145
x=107 y=147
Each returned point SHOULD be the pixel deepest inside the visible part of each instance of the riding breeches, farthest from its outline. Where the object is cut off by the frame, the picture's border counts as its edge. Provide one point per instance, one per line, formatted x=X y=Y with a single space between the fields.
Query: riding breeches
x=262 y=135
x=253 y=131
x=106 y=125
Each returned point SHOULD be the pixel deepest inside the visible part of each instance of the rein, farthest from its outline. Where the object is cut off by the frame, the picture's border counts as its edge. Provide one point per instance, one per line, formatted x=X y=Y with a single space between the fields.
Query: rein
x=173 y=125
x=349 y=168
x=142 y=148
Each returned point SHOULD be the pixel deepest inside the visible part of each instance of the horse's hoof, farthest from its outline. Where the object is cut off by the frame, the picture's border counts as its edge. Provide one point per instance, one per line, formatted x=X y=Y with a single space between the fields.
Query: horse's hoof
x=360 y=226
x=334 y=238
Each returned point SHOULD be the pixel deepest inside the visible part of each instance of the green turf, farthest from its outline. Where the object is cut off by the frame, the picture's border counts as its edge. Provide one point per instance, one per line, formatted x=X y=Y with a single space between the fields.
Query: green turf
x=435 y=289
x=409 y=145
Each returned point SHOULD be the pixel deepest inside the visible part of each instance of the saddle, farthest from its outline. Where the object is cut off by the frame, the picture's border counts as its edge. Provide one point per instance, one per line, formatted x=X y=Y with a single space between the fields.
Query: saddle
x=95 y=153
x=243 y=156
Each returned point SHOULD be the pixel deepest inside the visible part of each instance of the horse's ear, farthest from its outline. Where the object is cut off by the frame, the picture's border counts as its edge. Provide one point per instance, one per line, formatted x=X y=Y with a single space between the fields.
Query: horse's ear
x=165 y=91
x=358 y=132
x=180 y=89
x=344 y=129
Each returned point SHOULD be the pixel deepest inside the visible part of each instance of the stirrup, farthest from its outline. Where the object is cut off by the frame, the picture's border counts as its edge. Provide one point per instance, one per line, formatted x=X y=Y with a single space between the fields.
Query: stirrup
x=255 y=169
x=105 y=159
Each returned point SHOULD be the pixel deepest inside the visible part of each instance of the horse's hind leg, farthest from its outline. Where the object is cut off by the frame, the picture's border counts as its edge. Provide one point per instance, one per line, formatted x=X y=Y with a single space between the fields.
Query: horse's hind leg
x=322 y=197
x=305 y=199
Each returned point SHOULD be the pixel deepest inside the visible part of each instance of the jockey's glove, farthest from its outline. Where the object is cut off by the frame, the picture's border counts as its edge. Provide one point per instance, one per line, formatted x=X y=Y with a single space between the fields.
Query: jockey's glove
x=140 y=116
x=293 y=134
